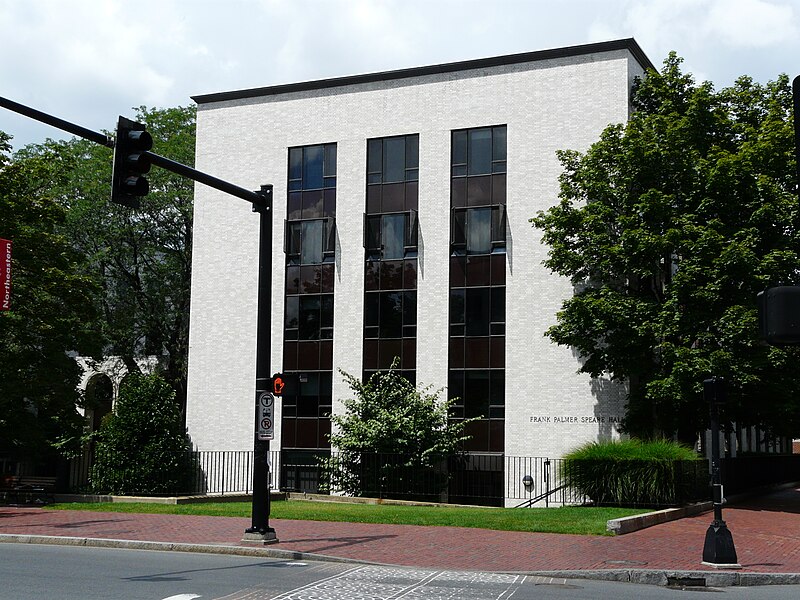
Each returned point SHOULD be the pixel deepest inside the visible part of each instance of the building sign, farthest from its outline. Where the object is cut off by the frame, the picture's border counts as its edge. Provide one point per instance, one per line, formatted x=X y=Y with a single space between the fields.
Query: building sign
x=5 y=274
x=266 y=421
x=574 y=420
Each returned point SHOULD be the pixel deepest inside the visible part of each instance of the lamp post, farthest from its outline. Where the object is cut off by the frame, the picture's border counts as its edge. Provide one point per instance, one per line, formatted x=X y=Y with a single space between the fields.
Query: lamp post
x=718 y=550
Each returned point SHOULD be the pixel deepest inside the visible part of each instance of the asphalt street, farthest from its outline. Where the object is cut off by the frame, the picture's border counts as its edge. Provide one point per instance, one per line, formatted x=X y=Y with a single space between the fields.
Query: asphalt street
x=85 y=573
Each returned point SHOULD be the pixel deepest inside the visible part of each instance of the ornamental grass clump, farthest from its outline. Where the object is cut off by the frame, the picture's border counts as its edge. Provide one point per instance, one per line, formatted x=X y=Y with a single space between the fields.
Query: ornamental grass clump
x=635 y=473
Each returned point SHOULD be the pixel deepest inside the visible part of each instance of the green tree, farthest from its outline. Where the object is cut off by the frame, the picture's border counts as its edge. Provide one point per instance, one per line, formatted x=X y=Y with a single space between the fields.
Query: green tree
x=141 y=259
x=142 y=447
x=668 y=227
x=389 y=416
x=52 y=309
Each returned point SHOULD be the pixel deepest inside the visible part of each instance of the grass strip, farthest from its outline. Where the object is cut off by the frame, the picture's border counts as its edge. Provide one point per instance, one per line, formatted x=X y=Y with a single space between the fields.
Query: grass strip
x=567 y=519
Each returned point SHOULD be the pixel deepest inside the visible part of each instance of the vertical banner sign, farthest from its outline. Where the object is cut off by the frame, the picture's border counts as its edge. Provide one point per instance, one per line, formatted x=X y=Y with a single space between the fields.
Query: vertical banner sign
x=5 y=274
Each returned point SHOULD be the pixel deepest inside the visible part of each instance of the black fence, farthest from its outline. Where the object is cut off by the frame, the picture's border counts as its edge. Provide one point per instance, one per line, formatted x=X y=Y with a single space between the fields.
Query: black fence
x=201 y=473
x=469 y=479
x=489 y=480
x=492 y=480
x=462 y=480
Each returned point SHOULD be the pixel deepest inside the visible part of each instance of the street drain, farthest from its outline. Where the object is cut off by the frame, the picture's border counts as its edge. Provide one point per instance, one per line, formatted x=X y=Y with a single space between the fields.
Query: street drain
x=689 y=584
x=637 y=563
x=686 y=581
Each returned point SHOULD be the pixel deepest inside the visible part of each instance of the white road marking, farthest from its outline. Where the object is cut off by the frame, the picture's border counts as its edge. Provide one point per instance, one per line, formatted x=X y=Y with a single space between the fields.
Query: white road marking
x=184 y=597
x=395 y=583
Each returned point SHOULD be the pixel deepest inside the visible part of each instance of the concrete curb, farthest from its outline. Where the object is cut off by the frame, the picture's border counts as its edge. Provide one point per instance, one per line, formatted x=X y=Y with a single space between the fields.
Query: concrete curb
x=635 y=523
x=201 y=499
x=672 y=578
x=265 y=552
x=658 y=577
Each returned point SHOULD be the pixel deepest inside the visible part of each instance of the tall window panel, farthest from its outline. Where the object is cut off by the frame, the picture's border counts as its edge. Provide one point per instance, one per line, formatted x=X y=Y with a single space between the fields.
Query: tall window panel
x=477 y=284
x=390 y=245
x=308 y=324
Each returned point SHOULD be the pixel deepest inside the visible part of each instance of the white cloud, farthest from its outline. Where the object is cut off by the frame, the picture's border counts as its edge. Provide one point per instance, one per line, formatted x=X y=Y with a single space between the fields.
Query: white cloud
x=719 y=39
x=752 y=23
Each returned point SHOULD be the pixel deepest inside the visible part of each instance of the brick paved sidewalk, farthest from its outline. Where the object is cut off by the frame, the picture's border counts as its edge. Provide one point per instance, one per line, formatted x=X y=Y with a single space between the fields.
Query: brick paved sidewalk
x=766 y=533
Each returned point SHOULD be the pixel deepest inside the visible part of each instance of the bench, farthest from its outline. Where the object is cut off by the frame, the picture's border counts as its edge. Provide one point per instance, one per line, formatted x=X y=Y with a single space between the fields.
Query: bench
x=28 y=489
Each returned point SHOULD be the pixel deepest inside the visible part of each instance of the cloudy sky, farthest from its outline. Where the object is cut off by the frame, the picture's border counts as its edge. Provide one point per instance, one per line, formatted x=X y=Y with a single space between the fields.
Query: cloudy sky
x=88 y=61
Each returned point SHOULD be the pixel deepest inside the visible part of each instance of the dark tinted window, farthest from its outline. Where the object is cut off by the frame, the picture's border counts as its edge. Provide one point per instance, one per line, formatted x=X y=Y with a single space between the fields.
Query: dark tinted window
x=394 y=229
x=309 y=317
x=480 y=152
x=393 y=159
x=390 y=315
x=477 y=311
x=312 y=168
x=479 y=230
x=311 y=242
x=295 y=164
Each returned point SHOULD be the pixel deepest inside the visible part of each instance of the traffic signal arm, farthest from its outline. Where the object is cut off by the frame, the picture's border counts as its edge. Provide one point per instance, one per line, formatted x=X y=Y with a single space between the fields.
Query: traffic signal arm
x=97 y=138
x=255 y=198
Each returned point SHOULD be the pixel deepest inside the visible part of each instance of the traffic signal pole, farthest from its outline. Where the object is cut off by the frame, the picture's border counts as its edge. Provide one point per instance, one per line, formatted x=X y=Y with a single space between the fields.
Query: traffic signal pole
x=259 y=531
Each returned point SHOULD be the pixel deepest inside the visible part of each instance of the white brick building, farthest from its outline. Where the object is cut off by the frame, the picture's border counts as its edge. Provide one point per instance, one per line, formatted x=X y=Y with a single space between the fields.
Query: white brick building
x=406 y=197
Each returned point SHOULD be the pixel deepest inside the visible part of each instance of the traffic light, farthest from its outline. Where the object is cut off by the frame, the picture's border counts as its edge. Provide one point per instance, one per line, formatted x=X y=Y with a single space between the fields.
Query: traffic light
x=131 y=163
x=278 y=384
x=285 y=384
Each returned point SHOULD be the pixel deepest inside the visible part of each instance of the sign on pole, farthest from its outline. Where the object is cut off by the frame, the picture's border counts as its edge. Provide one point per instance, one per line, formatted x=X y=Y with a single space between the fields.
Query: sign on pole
x=266 y=422
x=5 y=274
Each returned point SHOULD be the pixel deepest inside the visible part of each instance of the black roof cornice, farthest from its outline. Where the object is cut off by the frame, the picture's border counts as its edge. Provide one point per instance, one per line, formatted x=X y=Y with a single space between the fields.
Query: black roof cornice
x=496 y=61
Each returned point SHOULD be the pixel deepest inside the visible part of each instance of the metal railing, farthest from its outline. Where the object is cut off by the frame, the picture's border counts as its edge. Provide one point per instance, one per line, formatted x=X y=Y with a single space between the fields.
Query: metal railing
x=203 y=473
x=494 y=480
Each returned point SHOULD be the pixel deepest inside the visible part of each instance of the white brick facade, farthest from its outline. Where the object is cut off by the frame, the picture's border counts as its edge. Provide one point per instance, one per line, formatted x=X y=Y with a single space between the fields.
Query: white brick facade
x=549 y=101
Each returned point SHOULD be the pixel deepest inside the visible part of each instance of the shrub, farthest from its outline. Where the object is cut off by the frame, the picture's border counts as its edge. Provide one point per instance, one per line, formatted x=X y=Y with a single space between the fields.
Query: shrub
x=633 y=472
x=142 y=447
x=392 y=438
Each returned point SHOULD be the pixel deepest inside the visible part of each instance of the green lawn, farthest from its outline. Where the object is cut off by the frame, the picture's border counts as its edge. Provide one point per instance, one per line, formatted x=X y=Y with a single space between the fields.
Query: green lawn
x=568 y=519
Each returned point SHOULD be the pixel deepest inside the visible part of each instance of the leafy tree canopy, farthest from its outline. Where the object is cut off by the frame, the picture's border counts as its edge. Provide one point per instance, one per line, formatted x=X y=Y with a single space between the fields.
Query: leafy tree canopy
x=52 y=309
x=140 y=259
x=668 y=227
